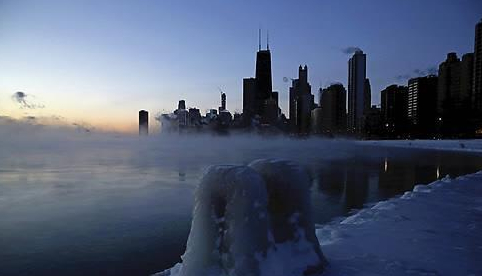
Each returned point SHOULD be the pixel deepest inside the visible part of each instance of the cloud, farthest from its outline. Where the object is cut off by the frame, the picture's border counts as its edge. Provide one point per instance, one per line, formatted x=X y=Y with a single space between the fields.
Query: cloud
x=418 y=73
x=350 y=49
x=432 y=70
x=403 y=77
x=21 y=98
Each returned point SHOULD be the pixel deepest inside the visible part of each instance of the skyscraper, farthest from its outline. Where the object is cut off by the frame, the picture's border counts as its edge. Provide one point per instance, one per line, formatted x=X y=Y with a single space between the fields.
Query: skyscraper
x=357 y=96
x=448 y=91
x=422 y=106
x=333 y=106
x=194 y=117
x=143 y=122
x=394 y=105
x=249 y=99
x=263 y=78
x=373 y=123
x=466 y=80
x=454 y=95
x=258 y=96
x=477 y=78
x=301 y=102
x=223 y=102
x=182 y=114
x=181 y=104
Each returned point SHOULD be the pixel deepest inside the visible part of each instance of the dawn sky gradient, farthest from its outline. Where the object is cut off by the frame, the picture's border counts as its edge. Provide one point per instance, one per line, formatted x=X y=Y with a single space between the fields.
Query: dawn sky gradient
x=99 y=62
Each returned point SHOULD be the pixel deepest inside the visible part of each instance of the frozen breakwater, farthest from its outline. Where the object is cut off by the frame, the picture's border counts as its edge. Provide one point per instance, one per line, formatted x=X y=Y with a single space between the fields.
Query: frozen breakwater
x=252 y=220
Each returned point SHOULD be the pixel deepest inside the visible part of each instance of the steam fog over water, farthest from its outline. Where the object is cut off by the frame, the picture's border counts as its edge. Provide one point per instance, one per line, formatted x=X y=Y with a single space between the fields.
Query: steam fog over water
x=73 y=203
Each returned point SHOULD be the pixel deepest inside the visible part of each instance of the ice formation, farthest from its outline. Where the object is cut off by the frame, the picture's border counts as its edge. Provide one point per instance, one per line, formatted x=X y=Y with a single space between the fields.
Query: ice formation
x=252 y=220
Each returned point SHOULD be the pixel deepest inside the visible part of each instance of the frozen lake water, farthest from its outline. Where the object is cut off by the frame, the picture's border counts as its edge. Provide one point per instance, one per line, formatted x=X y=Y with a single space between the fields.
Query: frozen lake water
x=106 y=205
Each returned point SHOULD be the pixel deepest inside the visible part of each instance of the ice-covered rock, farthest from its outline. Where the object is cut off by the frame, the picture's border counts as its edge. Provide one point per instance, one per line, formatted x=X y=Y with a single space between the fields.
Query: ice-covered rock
x=252 y=220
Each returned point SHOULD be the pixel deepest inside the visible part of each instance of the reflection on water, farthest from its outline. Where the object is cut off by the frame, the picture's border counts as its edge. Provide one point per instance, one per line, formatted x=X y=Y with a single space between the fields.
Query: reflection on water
x=119 y=211
x=352 y=183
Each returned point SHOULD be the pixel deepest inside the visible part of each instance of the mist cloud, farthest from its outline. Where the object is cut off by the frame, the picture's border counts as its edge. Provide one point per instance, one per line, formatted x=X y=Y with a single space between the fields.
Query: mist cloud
x=21 y=98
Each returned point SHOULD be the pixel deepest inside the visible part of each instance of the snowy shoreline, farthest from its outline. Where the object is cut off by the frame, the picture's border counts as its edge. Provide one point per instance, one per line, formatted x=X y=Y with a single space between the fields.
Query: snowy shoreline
x=436 y=229
x=471 y=146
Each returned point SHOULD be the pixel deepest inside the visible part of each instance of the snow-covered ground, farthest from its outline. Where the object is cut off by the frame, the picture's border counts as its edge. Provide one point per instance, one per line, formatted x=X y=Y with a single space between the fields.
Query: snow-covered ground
x=452 y=145
x=434 y=230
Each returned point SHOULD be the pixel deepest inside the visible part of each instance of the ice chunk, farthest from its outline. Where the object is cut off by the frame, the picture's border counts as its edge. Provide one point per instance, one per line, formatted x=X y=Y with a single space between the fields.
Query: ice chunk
x=289 y=205
x=227 y=229
x=422 y=189
x=252 y=220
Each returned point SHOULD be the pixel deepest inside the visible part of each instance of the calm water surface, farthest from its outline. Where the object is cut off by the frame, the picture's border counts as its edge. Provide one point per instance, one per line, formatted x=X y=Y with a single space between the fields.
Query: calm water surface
x=124 y=207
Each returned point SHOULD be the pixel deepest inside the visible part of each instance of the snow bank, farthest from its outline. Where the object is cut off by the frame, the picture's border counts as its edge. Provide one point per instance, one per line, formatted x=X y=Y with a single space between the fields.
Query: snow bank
x=434 y=230
x=450 y=145
x=252 y=220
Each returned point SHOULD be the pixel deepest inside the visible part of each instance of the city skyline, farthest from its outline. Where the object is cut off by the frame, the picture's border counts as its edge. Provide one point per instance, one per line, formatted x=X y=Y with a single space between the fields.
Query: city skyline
x=127 y=57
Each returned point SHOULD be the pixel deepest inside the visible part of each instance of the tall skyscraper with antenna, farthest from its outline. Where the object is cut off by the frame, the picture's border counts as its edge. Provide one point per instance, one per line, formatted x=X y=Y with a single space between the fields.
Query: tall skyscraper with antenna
x=263 y=77
x=258 y=96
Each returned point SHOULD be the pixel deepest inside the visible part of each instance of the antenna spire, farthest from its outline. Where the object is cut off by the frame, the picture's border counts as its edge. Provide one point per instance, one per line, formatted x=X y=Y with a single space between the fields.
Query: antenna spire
x=259 y=39
x=267 y=39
